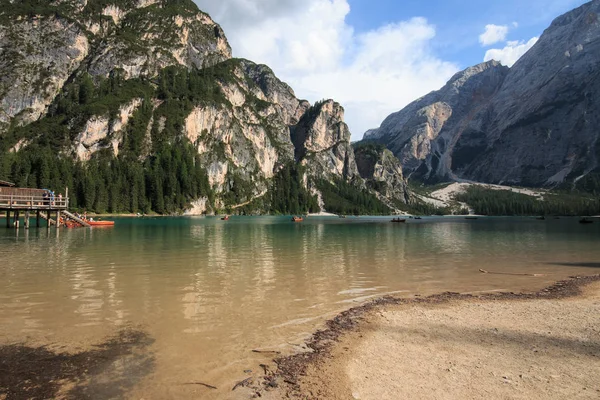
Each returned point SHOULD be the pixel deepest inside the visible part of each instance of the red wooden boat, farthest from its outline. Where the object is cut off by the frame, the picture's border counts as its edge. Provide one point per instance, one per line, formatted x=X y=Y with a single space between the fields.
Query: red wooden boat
x=101 y=223
x=297 y=219
x=225 y=218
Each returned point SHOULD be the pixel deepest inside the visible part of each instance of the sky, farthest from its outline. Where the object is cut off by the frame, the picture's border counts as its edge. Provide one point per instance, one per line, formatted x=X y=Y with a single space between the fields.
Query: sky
x=376 y=56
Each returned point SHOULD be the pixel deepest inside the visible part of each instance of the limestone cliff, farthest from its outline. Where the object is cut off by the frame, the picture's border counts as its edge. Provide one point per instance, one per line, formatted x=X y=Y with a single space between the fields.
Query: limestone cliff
x=43 y=45
x=322 y=142
x=382 y=172
x=535 y=124
x=423 y=134
x=145 y=100
x=542 y=126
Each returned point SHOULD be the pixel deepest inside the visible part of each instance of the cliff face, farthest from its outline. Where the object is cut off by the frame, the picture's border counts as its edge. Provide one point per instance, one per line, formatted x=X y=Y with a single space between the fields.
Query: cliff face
x=423 y=135
x=541 y=127
x=44 y=45
x=534 y=124
x=140 y=81
x=382 y=172
x=322 y=142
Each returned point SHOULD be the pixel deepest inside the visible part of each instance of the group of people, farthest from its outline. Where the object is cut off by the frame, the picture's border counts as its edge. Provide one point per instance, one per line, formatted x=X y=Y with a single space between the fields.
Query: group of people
x=50 y=199
x=84 y=217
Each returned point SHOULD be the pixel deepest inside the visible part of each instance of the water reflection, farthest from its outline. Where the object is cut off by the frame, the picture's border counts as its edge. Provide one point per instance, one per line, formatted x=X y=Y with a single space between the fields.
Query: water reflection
x=209 y=290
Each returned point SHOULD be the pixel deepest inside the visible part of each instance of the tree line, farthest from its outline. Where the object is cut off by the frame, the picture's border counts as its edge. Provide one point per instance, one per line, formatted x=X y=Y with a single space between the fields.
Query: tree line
x=507 y=203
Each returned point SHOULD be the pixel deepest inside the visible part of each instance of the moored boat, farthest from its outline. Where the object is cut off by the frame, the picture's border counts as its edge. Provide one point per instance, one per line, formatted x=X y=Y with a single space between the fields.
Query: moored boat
x=398 y=220
x=101 y=223
x=586 y=221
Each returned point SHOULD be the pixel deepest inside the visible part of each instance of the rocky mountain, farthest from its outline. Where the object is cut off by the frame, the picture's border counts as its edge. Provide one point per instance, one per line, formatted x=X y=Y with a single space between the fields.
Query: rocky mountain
x=322 y=142
x=382 y=172
x=138 y=105
x=423 y=135
x=533 y=124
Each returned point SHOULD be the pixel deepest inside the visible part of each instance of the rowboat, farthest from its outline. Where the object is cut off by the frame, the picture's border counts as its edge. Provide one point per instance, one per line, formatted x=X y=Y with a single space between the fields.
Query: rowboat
x=297 y=219
x=225 y=218
x=398 y=220
x=101 y=223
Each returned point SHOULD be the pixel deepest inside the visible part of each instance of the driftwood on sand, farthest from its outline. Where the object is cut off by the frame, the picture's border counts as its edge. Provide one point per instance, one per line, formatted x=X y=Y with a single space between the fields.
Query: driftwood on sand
x=483 y=271
x=201 y=384
x=266 y=351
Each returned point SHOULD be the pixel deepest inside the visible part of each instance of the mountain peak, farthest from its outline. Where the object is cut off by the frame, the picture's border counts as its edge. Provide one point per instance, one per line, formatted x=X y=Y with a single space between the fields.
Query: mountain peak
x=533 y=124
x=463 y=76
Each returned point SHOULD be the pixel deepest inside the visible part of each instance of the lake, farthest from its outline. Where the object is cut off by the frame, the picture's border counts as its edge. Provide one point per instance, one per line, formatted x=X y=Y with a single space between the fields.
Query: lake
x=208 y=292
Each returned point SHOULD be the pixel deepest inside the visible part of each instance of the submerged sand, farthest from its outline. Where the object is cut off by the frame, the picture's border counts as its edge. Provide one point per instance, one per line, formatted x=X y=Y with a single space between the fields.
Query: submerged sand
x=537 y=346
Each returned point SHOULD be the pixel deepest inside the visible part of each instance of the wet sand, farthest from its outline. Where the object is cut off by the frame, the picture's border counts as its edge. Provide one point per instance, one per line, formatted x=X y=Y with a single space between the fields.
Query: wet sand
x=543 y=345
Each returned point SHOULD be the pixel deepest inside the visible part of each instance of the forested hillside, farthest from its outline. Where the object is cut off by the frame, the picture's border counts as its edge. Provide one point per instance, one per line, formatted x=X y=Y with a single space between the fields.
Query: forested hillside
x=137 y=106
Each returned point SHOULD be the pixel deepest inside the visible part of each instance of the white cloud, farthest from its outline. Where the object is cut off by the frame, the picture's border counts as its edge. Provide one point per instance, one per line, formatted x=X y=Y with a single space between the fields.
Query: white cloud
x=493 y=34
x=309 y=45
x=511 y=52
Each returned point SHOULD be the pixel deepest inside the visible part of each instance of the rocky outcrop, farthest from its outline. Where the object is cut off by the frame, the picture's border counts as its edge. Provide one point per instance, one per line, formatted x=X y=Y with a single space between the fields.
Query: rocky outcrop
x=40 y=53
x=37 y=57
x=382 y=172
x=322 y=142
x=146 y=39
x=423 y=134
x=535 y=124
x=100 y=132
x=247 y=136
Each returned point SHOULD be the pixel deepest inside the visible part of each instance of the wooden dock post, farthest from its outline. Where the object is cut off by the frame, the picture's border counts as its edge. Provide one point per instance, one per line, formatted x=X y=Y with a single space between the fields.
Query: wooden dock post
x=8 y=218
x=26 y=220
x=16 y=219
x=37 y=218
x=58 y=219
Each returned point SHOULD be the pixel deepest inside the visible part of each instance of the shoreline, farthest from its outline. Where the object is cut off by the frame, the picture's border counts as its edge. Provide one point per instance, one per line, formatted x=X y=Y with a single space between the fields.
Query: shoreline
x=296 y=374
x=330 y=215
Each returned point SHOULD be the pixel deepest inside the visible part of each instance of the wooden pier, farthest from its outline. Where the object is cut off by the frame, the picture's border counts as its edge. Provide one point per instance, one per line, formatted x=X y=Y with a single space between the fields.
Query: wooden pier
x=26 y=202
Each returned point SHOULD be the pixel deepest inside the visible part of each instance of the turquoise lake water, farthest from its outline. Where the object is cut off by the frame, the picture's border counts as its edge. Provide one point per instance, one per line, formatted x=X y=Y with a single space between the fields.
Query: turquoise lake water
x=209 y=291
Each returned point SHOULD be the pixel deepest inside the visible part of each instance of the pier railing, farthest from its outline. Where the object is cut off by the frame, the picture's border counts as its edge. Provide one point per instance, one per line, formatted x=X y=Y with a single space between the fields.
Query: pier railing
x=32 y=202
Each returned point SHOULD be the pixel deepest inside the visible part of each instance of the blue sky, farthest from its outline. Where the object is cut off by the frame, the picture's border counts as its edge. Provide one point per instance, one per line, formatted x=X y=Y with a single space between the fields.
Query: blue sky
x=376 y=56
x=459 y=22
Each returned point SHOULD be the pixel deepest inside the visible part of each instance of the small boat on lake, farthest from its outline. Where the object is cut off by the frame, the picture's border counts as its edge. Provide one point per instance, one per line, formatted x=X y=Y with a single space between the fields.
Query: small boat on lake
x=398 y=220
x=542 y=218
x=225 y=218
x=418 y=218
x=101 y=223
x=297 y=219
x=471 y=217
x=586 y=221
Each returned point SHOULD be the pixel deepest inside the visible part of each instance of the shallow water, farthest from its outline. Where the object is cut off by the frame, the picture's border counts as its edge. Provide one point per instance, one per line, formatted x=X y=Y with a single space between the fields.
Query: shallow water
x=209 y=291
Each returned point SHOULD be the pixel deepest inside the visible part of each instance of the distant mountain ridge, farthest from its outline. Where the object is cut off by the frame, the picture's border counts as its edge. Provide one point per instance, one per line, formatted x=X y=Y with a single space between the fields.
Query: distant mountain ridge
x=534 y=124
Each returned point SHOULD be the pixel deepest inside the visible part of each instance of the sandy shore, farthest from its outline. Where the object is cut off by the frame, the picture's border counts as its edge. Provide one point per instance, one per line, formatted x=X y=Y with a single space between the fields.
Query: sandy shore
x=543 y=345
